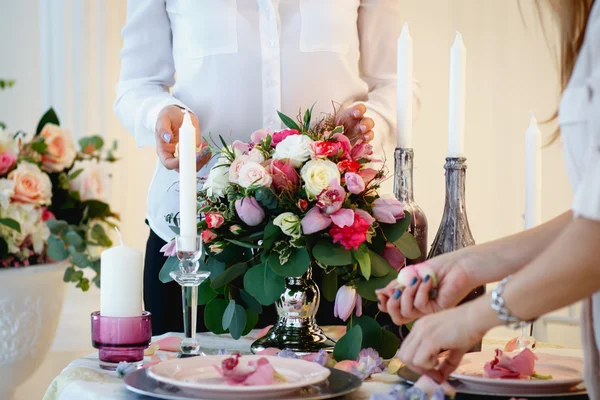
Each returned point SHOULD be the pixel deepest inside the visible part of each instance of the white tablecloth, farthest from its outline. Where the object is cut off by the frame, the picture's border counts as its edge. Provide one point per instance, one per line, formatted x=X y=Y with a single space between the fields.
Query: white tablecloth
x=84 y=380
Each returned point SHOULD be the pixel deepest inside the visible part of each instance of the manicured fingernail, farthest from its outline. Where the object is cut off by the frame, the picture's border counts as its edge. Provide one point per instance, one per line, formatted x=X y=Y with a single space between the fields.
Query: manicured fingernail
x=356 y=113
x=363 y=128
x=433 y=293
x=167 y=137
x=426 y=279
x=414 y=281
x=366 y=138
x=397 y=294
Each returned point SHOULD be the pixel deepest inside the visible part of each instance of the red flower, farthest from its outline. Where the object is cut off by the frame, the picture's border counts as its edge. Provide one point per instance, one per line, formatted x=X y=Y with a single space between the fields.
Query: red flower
x=352 y=236
x=214 y=220
x=348 y=166
x=47 y=214
x=302 y=204
x=326 y=148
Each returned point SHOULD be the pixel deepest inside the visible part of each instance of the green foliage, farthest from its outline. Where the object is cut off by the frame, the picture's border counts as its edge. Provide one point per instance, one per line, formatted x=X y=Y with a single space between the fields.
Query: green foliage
x=213 y=315
x=266 y=198
x=367 y=288
x=389 y=345
x=409 y=246
x=205 y=293
x=91 y=144
x=228 y=275
x=171 y=265
x=263 y=284
x=3 y=248
x=287 y=121
x=296 y=266
x=371 y=330
x=56 y=249
x=100 y=237
x=379 y=265
x=272 y=232
x=6 y=83
x=364 y=261
x=251 y=321
x=250 y=302
x=49 y=118
x=349 y=345
x=244 y=244
x=331 y=254
x=234 y=319
x=330 y=285
x=393 y=232
x=11 y=223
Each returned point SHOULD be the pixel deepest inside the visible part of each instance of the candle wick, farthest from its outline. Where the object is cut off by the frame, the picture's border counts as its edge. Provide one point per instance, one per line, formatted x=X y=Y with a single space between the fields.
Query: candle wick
x=120 y=236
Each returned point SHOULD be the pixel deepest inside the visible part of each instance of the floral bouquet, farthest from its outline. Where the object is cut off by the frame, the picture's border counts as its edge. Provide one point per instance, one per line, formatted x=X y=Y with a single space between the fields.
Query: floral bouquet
x=52 y=200
x=288 y=200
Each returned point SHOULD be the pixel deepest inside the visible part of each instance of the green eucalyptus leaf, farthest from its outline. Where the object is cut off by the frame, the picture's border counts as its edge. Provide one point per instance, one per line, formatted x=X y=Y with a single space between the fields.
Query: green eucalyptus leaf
x=11 y=223
x=215 y=267
x=56 y=249
x=379 y=265
x=73 y=239
x=393 y=232
x=364 y=261
x=80 y=260
x=408 y=245
x=99 y=235
x=56 y=226
x=367 y=288
x=228 y=314
x=331 y=254
x=238 y=322
x=330 y=285
x=228 y=275
x=205 y=293
x=213 y=315
x=272 y=232
x=371 y=330
x=263 y=284
x=68 y=274
x=251 y=321
x=244 y=244
x=172 y=264
x=349 y=345
x=388 y=346
x=297 y=264
x=250 y=302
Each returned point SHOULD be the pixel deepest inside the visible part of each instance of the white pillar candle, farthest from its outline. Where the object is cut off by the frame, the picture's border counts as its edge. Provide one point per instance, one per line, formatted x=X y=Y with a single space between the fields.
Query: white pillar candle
x=405 y=89
x=187 y=183
x=456 y=114
x=533 y=174
x=121 y=282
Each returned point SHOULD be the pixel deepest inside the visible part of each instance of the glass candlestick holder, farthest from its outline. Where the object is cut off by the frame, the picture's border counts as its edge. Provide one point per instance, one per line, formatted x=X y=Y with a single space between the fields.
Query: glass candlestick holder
x=189 y=250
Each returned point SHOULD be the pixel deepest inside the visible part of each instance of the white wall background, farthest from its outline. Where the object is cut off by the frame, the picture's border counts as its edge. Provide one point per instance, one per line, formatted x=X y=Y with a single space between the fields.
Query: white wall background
x=64 y=53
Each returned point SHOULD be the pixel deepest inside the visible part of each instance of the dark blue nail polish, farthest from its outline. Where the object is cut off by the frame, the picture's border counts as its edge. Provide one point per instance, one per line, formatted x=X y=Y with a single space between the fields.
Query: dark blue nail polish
x=397 y=294
x=426 y=279
x=167 y=137
x=414 y=281
x=198 y=157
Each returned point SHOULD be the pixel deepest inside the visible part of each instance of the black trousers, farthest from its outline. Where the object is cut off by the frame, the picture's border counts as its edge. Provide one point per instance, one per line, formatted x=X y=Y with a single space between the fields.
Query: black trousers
x=164 y=300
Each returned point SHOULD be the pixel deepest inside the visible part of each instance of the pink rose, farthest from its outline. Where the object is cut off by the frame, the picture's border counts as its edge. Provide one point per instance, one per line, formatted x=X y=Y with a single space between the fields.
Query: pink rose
x=91 y=183
x=387 y=210
x=346 y=300
x=169 y=249
x=31 y=184
x=284 y=174
x=249 y=211
x=60 y=152
x=253 y=174
x=328 y=148
x=214 y=220
x=234 y=169
x=260 y=134
x=7 y=161
x=393 y=256
x=279 y=136
x=208 y=236
x=354 y=182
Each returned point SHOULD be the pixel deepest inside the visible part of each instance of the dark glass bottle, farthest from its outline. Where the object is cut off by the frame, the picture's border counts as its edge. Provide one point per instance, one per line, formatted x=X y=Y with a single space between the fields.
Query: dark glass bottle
x=454 y=232
x=403 y=188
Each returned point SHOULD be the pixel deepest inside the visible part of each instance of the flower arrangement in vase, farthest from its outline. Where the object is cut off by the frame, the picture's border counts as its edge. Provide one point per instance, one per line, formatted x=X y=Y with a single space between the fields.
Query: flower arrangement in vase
x=304 y=197
x=53 y=204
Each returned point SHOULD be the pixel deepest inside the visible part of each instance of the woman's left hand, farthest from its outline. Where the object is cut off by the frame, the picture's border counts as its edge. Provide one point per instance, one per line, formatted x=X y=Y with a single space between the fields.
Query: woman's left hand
x=356 y=125
x=455 y=330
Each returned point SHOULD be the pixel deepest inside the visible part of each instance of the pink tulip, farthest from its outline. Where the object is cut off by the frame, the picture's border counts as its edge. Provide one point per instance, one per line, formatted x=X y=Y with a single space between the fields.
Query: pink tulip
x=346 y=300
x=393 y=256
x=314 y=221
x=279 y=136
x=249 y=211
x=169 y=249
x=344 y=143
x=283 y=173
x=354 y=182
x=387 y=210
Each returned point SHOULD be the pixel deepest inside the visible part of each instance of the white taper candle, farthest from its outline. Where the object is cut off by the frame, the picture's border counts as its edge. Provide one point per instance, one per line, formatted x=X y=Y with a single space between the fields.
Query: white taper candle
x=533 y=174
x=187 y=182
x=456 y=114
x=405 y=89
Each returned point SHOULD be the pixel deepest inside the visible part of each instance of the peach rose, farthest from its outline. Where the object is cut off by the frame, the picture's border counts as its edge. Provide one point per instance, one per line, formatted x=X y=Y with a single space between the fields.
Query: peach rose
x=32 y=185
x=61 y=150
x=91 y=183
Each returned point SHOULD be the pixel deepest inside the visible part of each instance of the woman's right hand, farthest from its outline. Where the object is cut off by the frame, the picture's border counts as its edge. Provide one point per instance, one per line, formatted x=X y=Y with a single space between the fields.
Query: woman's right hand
x=421 y=297
x=167 y=127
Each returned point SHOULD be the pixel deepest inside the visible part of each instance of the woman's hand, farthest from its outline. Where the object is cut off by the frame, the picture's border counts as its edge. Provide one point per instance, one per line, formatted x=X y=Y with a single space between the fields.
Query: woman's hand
x=420 y=297
x=167 y=136
x=356 y=125
x=455 y=330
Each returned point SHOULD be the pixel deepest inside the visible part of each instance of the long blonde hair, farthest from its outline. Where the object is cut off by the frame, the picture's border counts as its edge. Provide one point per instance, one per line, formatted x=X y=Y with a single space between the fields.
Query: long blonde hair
x=571 y=16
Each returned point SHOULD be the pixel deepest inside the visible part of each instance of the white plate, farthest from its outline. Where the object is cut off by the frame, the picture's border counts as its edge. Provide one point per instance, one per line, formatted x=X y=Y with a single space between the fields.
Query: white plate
x=198 y=374
x=567 y=372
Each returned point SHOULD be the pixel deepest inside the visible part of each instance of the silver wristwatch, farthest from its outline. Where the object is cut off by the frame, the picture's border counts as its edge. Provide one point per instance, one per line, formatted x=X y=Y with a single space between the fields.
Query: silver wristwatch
x=502 y=312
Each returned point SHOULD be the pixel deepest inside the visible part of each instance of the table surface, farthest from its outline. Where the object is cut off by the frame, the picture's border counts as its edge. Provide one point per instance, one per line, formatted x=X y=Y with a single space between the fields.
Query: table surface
x=83 y=379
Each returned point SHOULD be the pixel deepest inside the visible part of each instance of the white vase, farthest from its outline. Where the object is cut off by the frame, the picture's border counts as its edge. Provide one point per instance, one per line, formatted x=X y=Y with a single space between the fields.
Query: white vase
x=31 y=300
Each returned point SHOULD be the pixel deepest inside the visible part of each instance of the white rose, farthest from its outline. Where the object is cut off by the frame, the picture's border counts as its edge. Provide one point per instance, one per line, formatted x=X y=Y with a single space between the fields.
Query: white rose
x=254 y=174
x=60 y=152
x=256 y=155
x=296 y=148
x=218 y=179
x=317 y=176
x=91 y=183
x=7 y=189
x=29 y=217
x=289 y=224
x=8 y=142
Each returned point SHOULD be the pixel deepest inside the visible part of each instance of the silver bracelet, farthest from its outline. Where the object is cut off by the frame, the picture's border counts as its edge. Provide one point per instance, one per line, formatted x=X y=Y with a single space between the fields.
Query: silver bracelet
x=502 y=312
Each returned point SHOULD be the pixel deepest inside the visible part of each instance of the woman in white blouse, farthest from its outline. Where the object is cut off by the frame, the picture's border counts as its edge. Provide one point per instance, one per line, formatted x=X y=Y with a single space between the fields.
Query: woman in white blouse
x=237 y=63
x=553 y=265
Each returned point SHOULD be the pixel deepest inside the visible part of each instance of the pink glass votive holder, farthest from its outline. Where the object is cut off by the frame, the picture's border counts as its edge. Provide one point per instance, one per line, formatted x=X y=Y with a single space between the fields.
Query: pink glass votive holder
x=121 y=339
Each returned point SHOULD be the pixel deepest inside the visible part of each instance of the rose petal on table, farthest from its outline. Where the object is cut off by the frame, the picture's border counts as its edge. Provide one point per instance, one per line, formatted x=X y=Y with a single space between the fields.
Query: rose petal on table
x=264 y=374
x=269 y=351
x=346 y=365
x=263 y=331
x=429 y=386
x=151 y=350
x=169 y=343
x=505 y=367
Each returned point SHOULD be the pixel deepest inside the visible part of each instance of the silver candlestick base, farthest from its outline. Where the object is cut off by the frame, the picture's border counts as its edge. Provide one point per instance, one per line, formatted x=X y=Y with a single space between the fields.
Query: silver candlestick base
x=189 y=250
